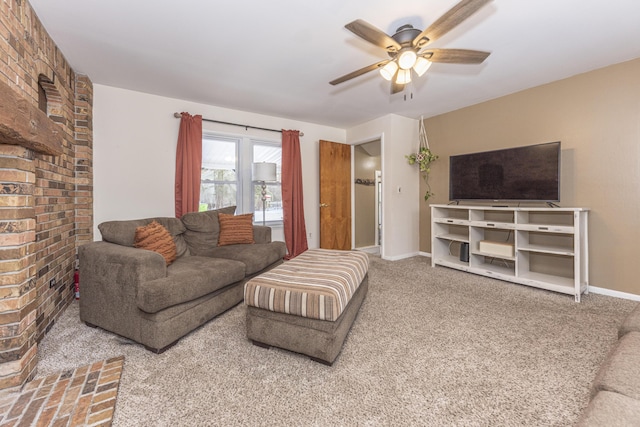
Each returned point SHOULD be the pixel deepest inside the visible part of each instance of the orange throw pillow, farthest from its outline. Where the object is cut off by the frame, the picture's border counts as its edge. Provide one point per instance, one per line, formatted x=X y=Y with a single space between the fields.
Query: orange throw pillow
x=235 y=229
x=154 y=237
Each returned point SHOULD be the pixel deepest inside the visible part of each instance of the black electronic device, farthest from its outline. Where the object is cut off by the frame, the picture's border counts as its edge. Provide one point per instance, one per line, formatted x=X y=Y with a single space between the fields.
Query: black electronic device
x=528 y=173
x=464 y=252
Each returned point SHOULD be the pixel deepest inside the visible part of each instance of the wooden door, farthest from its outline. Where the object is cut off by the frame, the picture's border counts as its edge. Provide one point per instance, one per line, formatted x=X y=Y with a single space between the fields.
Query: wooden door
x=335 y=195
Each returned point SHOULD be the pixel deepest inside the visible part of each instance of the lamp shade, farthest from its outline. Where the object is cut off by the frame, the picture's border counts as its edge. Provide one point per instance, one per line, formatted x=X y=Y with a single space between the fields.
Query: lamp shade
x=389 y=70
x=421 y=66
x=407 y=59
x=404 y=77
x=264 y=171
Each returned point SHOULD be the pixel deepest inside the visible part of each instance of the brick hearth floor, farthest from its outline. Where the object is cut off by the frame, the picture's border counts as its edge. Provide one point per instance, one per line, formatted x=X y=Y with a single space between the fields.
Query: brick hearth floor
x=85 y=396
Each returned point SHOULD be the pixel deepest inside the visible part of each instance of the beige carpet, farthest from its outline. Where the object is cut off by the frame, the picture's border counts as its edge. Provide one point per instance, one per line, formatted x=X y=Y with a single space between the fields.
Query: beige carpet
x=430 y=347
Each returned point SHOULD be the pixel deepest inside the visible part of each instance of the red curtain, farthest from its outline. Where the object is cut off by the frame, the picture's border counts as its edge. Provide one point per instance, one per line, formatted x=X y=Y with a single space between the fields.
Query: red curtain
x=188 y=164
x=295 y=232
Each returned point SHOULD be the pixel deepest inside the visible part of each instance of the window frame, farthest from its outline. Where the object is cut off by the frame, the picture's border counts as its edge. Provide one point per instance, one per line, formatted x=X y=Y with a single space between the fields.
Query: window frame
x=245 y=186
x=250 y=191
x=237 y=182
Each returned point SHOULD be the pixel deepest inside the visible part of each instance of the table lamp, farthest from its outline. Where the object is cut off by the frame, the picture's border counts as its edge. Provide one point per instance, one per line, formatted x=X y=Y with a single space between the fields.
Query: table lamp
x=264 y=172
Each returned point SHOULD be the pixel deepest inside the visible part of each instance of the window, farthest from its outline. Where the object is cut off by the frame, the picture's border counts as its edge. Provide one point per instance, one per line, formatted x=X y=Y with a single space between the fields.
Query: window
x=226 y=176
x=271 y=207
x=219 y=180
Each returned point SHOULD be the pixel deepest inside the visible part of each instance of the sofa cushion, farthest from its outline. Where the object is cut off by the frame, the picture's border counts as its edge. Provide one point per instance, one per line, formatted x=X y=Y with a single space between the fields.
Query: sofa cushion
x=620 y=372
x=261 y=234
x=235 y=229
x=255 y=257
x=612 y=410
x=124 y=232
x=188 y=278
x=631 y=322
x=154 y=237
x=203 y=229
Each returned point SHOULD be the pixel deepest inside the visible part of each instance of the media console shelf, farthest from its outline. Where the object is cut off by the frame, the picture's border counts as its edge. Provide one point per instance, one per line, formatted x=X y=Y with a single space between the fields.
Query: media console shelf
x=545 y=248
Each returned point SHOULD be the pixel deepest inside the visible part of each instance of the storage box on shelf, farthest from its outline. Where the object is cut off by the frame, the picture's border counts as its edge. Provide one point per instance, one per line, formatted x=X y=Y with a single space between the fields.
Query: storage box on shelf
x=541 y=247
x=506 y=250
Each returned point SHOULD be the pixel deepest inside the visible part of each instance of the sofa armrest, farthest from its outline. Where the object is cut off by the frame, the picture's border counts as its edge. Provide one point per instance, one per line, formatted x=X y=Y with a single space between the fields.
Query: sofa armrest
x=133 y=265
x=109 y=278
x=261 y=234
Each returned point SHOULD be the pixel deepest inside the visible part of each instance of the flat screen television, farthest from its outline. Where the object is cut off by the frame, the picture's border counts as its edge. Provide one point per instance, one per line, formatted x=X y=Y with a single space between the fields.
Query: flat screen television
x=529 y=173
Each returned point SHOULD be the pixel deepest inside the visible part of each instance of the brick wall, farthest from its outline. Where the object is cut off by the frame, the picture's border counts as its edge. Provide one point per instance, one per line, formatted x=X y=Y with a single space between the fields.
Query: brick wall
x=45 y=200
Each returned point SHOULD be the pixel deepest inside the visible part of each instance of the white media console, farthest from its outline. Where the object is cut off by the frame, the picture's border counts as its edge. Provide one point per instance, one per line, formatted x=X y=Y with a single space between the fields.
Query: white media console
x=542 y=247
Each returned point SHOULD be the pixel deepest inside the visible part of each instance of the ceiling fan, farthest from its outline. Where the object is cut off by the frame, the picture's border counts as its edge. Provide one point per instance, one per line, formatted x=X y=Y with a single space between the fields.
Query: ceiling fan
x=406 y=48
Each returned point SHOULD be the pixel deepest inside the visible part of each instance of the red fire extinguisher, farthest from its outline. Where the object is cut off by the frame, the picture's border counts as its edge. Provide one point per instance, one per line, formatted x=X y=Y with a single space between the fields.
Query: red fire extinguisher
x=76 y=283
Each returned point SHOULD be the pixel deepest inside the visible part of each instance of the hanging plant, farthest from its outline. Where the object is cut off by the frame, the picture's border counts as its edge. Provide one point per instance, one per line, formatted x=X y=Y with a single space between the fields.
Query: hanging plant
x=423 y=157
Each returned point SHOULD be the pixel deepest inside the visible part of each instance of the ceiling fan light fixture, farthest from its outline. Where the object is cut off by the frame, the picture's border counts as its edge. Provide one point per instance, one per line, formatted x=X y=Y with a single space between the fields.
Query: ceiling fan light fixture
x=421 y=66
x=404 y=77
x=407 y=59
x=405 y=46
x=388 y=71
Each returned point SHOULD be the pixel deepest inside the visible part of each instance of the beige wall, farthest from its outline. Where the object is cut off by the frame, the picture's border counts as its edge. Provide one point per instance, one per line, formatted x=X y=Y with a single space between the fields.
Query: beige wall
x=596 y=115
x=365 y=166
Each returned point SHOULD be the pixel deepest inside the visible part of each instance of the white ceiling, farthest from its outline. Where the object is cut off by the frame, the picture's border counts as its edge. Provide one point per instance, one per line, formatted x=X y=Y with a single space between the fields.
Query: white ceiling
x=276 y=57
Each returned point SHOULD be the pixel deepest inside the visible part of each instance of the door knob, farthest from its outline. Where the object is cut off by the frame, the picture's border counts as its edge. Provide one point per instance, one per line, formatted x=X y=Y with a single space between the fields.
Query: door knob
x=324 y=205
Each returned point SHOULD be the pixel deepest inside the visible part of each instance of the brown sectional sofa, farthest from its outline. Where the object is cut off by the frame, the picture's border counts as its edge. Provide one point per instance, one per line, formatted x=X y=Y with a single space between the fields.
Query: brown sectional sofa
x=616 y=389
x=133 y=293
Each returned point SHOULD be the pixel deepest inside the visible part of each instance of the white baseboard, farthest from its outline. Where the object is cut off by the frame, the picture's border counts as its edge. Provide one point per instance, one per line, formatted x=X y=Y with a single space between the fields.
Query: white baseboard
x=427 y=254
x=612 y=293
x=399 y=257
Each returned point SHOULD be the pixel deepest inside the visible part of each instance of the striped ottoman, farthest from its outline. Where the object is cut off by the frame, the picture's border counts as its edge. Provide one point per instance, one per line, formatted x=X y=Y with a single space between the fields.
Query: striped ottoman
x=307 y=305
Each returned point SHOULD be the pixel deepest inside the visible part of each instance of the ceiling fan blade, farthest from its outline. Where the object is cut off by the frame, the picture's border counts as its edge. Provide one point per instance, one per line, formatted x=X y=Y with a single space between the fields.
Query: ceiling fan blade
x=359 y=72
x=396 y=87
x=455 y=56
x=449 y=21
x=373 y=35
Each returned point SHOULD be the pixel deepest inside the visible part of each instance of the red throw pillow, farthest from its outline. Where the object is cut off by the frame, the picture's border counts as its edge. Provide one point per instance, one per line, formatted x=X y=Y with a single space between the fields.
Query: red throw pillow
x=154 y=237
x=235 y=229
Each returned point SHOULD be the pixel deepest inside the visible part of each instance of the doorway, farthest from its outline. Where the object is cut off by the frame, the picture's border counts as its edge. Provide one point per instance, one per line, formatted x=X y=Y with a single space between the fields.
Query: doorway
x=367 y=193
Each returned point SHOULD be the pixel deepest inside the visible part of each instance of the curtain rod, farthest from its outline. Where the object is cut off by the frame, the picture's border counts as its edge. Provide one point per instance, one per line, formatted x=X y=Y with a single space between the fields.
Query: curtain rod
x=178 y=115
